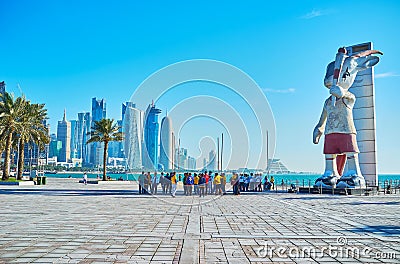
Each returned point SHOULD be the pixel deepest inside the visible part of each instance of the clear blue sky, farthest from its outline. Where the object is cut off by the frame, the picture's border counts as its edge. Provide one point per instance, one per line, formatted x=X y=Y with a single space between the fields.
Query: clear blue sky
x=63 y=53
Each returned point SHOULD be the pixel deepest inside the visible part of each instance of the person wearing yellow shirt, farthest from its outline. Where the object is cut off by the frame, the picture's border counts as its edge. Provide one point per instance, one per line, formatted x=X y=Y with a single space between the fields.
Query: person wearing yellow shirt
x=196 y=183
x=173 y=183
x=223 y=183
x=217 y=181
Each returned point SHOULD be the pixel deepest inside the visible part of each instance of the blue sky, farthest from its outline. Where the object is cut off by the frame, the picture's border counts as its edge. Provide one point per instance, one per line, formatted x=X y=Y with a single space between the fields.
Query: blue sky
x=63 y=53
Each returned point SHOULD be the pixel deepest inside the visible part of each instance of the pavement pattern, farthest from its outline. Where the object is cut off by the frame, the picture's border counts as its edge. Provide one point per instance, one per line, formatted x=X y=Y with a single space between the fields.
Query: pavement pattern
x=68 y=222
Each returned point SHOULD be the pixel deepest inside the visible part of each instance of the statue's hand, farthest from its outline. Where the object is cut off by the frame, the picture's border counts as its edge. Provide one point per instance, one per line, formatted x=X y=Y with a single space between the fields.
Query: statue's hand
x=316 y=135
x=337 y=91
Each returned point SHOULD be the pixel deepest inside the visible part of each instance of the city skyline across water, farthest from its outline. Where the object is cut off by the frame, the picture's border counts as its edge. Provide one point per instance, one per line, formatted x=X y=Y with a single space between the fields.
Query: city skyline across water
x=65 y=54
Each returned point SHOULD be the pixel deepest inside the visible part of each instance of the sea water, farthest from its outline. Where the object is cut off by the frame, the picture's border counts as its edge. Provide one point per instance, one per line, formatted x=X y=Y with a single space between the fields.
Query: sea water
x=299 y=179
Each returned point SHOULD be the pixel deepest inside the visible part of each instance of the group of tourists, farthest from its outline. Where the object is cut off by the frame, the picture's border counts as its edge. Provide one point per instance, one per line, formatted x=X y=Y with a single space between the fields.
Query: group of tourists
x=202 y=184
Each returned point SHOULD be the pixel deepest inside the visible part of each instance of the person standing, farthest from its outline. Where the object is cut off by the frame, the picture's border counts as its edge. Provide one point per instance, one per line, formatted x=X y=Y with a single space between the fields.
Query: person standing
x=207 y=179
x=235 y=183
x=272 y=181
x=189 y=184
x=162 y=182
x=85 y=178
x=141 y=183
x=266 y=183
x=173 y=184
x=241 y=182
x=196 y=183
x=223 y=183
x=154 y=183
x=258 y=183
x=246 y=182
x=217 y=183
x=211 y=185
x=168 y=183
x=252 y=182
x=147 y=182
x=202 y=185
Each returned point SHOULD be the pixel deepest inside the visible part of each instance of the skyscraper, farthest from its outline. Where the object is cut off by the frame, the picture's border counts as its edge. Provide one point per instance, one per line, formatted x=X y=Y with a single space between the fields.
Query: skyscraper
x=166 y=143
x=191 y=163
x=84 y=123
x=151 y=128
x=211 y=161
x=2 y=87
x=132 y=120
x=98 y=109
x=182 y=158
x=79 y=129
x=98 y=113
x=64 y=135
x=115 y=148
x=74 y=139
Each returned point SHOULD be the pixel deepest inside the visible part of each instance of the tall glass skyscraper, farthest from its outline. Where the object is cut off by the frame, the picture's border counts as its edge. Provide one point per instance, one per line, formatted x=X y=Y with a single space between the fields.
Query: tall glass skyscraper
x=132 y=119
x=166 y=152
x=64 y=135
x=79 y=129
x=2 y=87
x=98 y=109
x=151 y=128
x=84 y=123
x=98 y=113
x=74 y=139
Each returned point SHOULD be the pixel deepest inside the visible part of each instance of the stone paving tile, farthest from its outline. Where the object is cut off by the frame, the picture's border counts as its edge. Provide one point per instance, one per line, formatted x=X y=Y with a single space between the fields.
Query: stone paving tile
x=74 y=223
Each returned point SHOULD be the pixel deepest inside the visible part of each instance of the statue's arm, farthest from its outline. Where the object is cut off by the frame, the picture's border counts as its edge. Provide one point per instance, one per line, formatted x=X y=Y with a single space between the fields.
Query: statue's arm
x=319 y=128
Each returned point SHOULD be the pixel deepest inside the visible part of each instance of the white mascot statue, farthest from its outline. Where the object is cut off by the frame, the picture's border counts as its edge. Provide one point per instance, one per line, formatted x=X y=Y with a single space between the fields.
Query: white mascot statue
x=336 y=121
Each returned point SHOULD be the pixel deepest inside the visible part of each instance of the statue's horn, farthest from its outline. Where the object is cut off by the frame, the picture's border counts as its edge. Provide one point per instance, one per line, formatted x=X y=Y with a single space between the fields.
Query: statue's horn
x=367 y=53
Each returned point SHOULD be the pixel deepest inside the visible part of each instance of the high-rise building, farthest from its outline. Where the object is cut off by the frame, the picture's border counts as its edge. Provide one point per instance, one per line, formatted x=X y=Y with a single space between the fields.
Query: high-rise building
x=182 y=161
x=64 y=135
x=191 y=163
x=166 y=151
x=79 y=129
x=151 y=128
x=132 y=119
x=211 y=161
x=98 y=113
x=84 y=123
x=55 y=148
x=115 y=148
x=74 y=139
x=2 y=87
x=205 y=163
x=98 y=109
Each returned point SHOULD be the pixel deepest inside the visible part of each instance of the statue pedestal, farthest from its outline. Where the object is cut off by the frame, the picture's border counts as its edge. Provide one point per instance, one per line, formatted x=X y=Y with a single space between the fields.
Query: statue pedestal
x=351 y=191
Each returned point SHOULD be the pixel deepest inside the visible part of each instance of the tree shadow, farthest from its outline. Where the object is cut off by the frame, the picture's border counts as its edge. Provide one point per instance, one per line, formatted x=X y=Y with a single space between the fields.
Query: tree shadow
x=66 y=192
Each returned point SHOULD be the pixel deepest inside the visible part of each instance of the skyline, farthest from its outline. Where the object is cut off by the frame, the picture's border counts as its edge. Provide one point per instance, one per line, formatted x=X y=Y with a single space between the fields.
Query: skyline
x=64 y=54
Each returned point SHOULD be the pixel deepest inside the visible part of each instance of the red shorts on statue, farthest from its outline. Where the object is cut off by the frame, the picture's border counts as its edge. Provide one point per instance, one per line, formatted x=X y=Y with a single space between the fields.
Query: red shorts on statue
x=337 y=143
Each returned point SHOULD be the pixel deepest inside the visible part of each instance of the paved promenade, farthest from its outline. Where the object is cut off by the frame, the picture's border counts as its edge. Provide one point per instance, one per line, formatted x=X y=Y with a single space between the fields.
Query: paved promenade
x=68 y=222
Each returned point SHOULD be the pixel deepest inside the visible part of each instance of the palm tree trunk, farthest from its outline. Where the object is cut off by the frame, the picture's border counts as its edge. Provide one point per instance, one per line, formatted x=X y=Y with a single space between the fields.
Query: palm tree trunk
x=21 y=157
x=6 y=167
x=105 y=160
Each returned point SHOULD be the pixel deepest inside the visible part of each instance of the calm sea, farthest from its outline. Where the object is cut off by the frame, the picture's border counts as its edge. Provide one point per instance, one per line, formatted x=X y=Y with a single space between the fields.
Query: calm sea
x=298 y=179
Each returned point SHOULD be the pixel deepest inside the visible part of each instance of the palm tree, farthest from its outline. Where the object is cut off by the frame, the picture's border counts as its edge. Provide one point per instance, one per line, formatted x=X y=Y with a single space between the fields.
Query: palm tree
x=32 y=129
x=11 y=112
x=105 y=130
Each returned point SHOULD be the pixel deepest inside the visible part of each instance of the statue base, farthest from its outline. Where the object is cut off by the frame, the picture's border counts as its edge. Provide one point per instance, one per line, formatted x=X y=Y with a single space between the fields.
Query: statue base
x=340 y=191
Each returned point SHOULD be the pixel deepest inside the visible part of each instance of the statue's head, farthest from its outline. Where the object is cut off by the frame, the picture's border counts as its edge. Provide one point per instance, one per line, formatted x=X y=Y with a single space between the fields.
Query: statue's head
x=350 y=67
